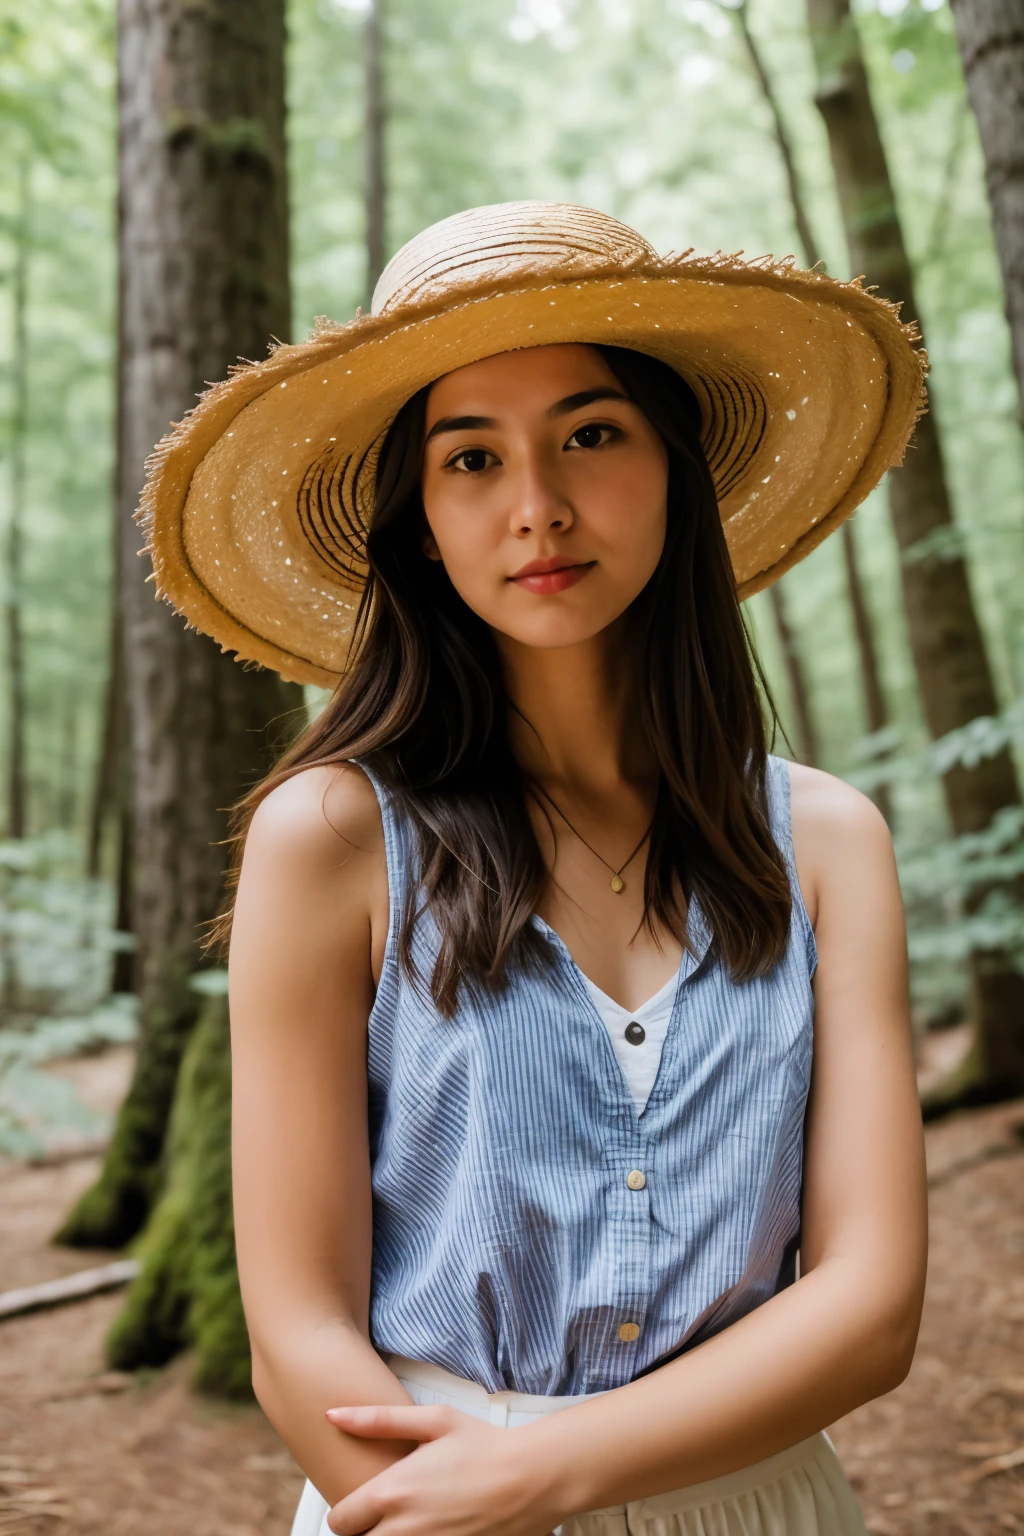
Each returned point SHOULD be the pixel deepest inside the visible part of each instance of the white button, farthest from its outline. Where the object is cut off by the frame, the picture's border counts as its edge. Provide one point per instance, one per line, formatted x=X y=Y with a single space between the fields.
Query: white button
x=635 y=1179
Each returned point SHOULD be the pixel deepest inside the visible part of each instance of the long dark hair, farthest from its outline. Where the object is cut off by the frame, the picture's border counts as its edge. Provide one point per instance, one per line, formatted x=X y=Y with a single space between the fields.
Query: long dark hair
x=423 y=703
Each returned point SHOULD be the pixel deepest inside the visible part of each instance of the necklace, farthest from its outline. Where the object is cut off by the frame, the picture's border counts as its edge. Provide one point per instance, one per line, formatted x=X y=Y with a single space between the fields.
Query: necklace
x=616 y=882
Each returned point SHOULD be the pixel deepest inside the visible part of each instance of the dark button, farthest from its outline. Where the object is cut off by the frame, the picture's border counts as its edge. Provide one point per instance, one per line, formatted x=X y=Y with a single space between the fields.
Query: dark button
x=635 y=1033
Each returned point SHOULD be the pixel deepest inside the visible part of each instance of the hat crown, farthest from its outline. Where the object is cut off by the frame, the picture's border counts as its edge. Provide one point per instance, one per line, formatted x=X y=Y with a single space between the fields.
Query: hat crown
x=495 y=242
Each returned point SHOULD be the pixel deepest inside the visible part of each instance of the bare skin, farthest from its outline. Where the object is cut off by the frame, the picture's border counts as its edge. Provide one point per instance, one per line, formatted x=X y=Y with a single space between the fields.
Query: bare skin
x=539 y=482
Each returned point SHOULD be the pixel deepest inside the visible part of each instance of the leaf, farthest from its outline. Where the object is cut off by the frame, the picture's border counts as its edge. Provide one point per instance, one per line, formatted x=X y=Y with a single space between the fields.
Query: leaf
x=212 y=983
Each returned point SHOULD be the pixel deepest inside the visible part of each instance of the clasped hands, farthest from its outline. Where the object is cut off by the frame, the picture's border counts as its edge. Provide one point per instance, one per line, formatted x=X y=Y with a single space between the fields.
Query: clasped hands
x=465 y=1478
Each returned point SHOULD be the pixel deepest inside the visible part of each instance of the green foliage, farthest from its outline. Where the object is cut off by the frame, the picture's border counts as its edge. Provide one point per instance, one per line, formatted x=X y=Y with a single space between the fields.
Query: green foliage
x=57 y=116
x=32 y=1101
x=56 y=936
x=55 y=952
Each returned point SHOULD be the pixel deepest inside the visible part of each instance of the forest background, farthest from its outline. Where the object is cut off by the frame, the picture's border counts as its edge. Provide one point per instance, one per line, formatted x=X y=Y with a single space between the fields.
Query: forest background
x=654 y=111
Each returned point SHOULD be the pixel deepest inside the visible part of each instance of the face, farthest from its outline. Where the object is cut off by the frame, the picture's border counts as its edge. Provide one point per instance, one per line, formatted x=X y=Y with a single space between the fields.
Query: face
x=544 y=489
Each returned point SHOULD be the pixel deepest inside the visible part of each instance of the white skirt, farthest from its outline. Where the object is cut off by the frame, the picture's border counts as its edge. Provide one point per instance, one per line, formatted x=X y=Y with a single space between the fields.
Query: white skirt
x=799 y=1492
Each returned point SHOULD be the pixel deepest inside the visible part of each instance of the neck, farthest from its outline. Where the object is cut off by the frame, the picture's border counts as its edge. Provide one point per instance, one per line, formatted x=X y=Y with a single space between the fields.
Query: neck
x=570 y=724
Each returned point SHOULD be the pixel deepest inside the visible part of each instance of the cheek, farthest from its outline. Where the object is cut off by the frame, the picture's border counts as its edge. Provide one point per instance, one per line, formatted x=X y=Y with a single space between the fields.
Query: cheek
x=629 y=515
x=466 y=538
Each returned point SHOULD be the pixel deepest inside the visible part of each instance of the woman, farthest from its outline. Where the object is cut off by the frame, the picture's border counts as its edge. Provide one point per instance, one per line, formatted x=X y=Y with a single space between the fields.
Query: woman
x=568 y=1025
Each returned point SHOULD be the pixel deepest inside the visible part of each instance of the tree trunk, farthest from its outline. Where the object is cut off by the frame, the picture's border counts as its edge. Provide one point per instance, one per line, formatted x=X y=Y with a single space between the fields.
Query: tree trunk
x=805 y=232
x=187 y=1292
x=17 y=788
x=945 y=637
x=871 y=680
x=374 y=124
x=867 y=653
x=204 y=275
x=103 y=804
x=113 y=768
x=991 y=38
x=124 y=977
x=807 y=741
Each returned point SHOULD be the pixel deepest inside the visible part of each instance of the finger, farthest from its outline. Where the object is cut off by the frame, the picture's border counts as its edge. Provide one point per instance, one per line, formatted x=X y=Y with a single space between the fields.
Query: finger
x=358 y=1513
x=383 y=1423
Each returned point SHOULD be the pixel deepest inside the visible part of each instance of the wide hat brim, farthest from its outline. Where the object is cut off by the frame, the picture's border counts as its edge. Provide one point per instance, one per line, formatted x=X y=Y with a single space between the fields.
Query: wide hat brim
x=256 y=505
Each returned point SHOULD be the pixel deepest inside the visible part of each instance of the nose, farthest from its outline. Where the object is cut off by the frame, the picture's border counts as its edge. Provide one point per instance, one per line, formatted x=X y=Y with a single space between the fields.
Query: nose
x=540 y=503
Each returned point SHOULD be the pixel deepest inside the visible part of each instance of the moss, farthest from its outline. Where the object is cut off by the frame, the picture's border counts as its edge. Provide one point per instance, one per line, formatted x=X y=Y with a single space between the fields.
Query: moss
x=115 y=1209
x=217 y=1322
x=152 y=1326
x=223 y=1359
x=187 y=1292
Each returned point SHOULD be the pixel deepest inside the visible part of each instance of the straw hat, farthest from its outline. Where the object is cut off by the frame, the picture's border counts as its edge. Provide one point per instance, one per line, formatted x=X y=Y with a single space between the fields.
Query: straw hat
x=257 y=504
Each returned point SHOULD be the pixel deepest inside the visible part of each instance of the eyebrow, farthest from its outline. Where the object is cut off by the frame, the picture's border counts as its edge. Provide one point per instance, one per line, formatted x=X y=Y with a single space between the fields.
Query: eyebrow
x=576 y=402
x=460 y=424
x=584 y=397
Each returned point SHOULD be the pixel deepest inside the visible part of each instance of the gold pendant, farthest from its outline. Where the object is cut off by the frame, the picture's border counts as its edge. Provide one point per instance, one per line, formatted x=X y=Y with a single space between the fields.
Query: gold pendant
x=617 y=884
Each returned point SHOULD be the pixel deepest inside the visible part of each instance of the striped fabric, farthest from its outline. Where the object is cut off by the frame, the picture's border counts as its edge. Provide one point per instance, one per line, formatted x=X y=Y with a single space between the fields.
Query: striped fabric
x=508 y=1246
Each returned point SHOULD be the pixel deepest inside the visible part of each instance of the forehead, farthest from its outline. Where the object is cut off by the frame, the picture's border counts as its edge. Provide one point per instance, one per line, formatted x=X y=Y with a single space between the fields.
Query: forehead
x=533 y=377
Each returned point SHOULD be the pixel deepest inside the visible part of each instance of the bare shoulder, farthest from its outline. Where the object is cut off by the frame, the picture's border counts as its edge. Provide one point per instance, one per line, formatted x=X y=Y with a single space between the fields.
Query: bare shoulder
x=314 y=874
x=839 y=836
x=324 y=816
x=824 y=806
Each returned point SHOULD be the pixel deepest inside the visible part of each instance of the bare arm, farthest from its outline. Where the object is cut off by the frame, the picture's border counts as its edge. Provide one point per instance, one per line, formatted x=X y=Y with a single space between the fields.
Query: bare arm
x=844 y=1333
x=308 y=937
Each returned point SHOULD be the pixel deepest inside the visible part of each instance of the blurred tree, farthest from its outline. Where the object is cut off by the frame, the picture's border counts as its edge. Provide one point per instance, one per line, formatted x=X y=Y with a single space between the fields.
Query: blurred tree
x=17 y=796
x=111 y=800
x=113 y=728
x=863 y=628
x=875 y=708
x=991 y=38
x=807 y=740
x=946 y=639
x=374 y=145
x=203 y=244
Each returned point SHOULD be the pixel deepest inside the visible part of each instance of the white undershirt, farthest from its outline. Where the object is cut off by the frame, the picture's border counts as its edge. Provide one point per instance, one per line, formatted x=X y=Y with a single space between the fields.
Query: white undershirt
x=639 y=1063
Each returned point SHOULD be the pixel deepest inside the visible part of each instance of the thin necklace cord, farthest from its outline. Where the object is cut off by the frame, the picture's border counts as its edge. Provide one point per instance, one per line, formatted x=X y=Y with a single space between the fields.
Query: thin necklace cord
x=617 y=883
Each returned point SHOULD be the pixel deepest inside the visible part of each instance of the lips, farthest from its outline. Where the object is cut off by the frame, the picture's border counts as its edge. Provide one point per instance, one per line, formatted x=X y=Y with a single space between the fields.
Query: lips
x=545 y=577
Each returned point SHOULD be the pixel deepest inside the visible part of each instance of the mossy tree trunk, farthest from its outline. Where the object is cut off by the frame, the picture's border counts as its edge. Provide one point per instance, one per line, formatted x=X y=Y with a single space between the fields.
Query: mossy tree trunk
x=946 y=640
x=187 y=1292
x=203 y=250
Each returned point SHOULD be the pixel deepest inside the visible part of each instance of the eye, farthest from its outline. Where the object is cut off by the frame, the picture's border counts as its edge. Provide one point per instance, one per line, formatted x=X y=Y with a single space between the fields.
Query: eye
x=470 y=461
x=594 y=435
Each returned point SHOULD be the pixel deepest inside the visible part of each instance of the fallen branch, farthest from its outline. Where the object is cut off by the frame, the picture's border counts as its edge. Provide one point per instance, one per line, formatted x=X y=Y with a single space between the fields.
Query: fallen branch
x=994 y=1464
x=55 y=1293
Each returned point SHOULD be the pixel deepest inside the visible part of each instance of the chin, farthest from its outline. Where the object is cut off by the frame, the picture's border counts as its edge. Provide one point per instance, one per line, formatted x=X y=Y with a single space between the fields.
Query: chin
x=555 y=632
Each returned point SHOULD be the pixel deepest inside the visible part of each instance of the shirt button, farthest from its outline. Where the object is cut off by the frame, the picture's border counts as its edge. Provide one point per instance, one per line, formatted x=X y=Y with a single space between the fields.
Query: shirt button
x=635 y=1179
x=628 y=1332
x=635 y=1033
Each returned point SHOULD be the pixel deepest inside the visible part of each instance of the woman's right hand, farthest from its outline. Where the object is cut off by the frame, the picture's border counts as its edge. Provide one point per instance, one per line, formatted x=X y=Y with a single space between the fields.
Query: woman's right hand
x=466 y=1478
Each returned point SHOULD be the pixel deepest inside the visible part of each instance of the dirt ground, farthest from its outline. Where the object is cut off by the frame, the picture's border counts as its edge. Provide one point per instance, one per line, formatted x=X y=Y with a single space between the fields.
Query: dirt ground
x=86 y=1451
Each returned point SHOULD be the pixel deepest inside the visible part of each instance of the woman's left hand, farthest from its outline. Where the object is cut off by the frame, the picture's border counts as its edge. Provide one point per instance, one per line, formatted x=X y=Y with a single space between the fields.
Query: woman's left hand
x=465 y=1478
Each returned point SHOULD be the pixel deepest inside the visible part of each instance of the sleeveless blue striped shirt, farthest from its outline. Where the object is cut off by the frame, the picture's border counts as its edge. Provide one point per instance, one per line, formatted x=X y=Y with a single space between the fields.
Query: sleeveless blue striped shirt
x=509 y=1244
